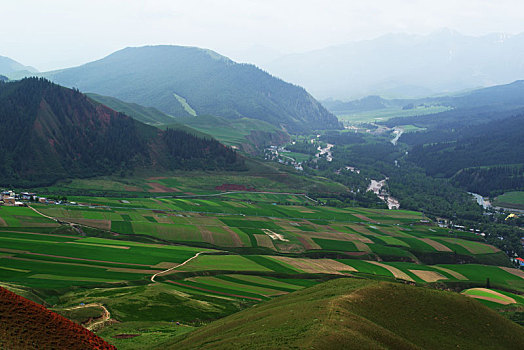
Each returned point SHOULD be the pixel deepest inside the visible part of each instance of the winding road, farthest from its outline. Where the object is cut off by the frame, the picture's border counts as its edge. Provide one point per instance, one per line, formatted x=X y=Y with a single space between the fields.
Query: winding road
x=176 y=266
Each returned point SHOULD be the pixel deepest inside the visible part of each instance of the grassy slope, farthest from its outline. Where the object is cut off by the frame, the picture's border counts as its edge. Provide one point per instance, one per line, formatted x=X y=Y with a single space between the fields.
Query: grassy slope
x=347 y=313
x=513 y=199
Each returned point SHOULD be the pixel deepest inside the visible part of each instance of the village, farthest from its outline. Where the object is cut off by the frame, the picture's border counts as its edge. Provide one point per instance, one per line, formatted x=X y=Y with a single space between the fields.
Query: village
x=11 y=198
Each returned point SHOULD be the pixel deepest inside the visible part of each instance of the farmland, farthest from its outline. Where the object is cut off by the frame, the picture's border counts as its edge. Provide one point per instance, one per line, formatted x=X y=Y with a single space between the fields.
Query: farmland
x=254 y=247
x=510 y=200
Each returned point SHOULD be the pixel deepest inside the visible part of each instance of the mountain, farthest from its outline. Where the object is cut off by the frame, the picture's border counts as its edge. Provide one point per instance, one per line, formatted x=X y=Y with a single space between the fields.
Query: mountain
x=184 y=81
x=51 y=132
x=360 y=314
x=25 y=324
x=403 y=65
x=11 y=68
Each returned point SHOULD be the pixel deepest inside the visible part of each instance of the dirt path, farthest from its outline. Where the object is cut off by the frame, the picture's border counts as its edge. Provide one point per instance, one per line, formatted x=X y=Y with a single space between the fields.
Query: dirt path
x=106 y=316
x=39 y=213
x=176 y=266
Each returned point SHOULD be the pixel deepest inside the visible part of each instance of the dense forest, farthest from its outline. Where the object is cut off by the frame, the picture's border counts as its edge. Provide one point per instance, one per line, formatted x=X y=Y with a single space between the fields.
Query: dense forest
x=50 y=133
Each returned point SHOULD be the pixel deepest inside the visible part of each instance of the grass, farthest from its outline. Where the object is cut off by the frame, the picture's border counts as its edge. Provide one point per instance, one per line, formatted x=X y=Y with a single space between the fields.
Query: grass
x=513 y=199
x=348 y=313
x=385 y=114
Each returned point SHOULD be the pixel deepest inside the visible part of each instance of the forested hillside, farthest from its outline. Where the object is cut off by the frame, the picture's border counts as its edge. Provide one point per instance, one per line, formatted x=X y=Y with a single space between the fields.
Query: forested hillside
x=50 y=133
x=183 y=81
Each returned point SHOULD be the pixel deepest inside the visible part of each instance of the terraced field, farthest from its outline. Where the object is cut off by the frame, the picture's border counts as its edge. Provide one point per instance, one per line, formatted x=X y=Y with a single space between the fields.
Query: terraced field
x=253 y=247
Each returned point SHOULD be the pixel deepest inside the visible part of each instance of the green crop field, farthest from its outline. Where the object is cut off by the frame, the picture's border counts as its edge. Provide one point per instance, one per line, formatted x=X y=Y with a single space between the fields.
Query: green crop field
x=510 y=200
x=254 y=247
x=385 y=114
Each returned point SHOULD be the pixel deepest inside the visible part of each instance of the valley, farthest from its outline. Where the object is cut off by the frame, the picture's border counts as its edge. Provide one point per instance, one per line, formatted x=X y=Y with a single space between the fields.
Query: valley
x=169 y=197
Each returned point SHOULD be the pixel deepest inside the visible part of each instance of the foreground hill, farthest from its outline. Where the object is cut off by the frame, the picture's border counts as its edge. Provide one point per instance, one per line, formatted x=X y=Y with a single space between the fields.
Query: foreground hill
x=184 y=81
x=360 y=314
x=27 y=325
x=50 y=133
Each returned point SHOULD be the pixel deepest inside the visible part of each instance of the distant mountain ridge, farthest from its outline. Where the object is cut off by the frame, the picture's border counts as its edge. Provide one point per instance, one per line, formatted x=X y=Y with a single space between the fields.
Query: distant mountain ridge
x=10 y=67
x=405 y=66
x=51 y=133
x=177 y=80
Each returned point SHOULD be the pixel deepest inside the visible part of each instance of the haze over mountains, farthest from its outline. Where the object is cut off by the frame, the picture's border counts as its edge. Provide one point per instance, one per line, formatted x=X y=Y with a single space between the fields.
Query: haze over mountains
x=186 y=81
x=10 y=67
x=404 y=65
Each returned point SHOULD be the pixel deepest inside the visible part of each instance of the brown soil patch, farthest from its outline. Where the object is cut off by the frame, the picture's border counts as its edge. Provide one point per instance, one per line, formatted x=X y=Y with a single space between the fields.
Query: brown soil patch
x=428 y=276
x=308 y=243
x=207 y=235
x=396 y=272
x=158 y=188
x=157 y=178
x=290 y=248
x=361 y=229
x=438 y=246
x=2 y=222
x=515 y=272
x=327 y=266
x=237 y=242
x=363 y=217
x=101 y=245
x=455 y=274
x=498 y=298
x=162 y=219
x=362 y=246
x=101 y=224
x=133 y=189
x=264 y=241
x=163 y=265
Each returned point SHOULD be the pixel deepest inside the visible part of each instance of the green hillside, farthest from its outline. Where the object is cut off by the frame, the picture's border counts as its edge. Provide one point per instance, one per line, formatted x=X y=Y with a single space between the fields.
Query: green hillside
x=360 y=314
x=147 y=115
x=51 y=133
x=182 y=81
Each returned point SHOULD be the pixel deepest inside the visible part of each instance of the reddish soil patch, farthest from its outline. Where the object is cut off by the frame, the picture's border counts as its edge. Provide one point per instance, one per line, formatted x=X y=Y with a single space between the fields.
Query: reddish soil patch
x=157 y=178
x=237 y=242
x=158 y=188
x=159 y=212
x=363 y=217
x=132 y=189
x=2 y=222
x=207 y=235
x=234 y=187
x=355 y=253
x=125 y=336
x=27 y=325
x=214 y=291
x=515 y=272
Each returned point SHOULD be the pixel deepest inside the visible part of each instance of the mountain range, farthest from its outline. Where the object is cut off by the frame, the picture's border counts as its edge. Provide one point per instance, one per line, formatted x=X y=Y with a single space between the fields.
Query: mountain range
x=11 y=68
x=404 y=65
x=187 y=81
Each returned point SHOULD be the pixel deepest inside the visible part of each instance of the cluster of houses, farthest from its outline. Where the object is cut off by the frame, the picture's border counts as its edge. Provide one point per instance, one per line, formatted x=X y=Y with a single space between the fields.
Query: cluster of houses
x=277 y=154
x=11 y=198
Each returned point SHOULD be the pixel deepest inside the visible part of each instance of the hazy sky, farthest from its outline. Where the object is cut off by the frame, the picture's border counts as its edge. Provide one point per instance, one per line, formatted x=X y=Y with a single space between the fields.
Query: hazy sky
x=55 y=34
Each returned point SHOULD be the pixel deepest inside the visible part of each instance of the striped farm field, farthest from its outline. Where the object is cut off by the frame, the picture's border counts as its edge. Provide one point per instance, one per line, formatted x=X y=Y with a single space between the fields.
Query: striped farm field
x=489 y=295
